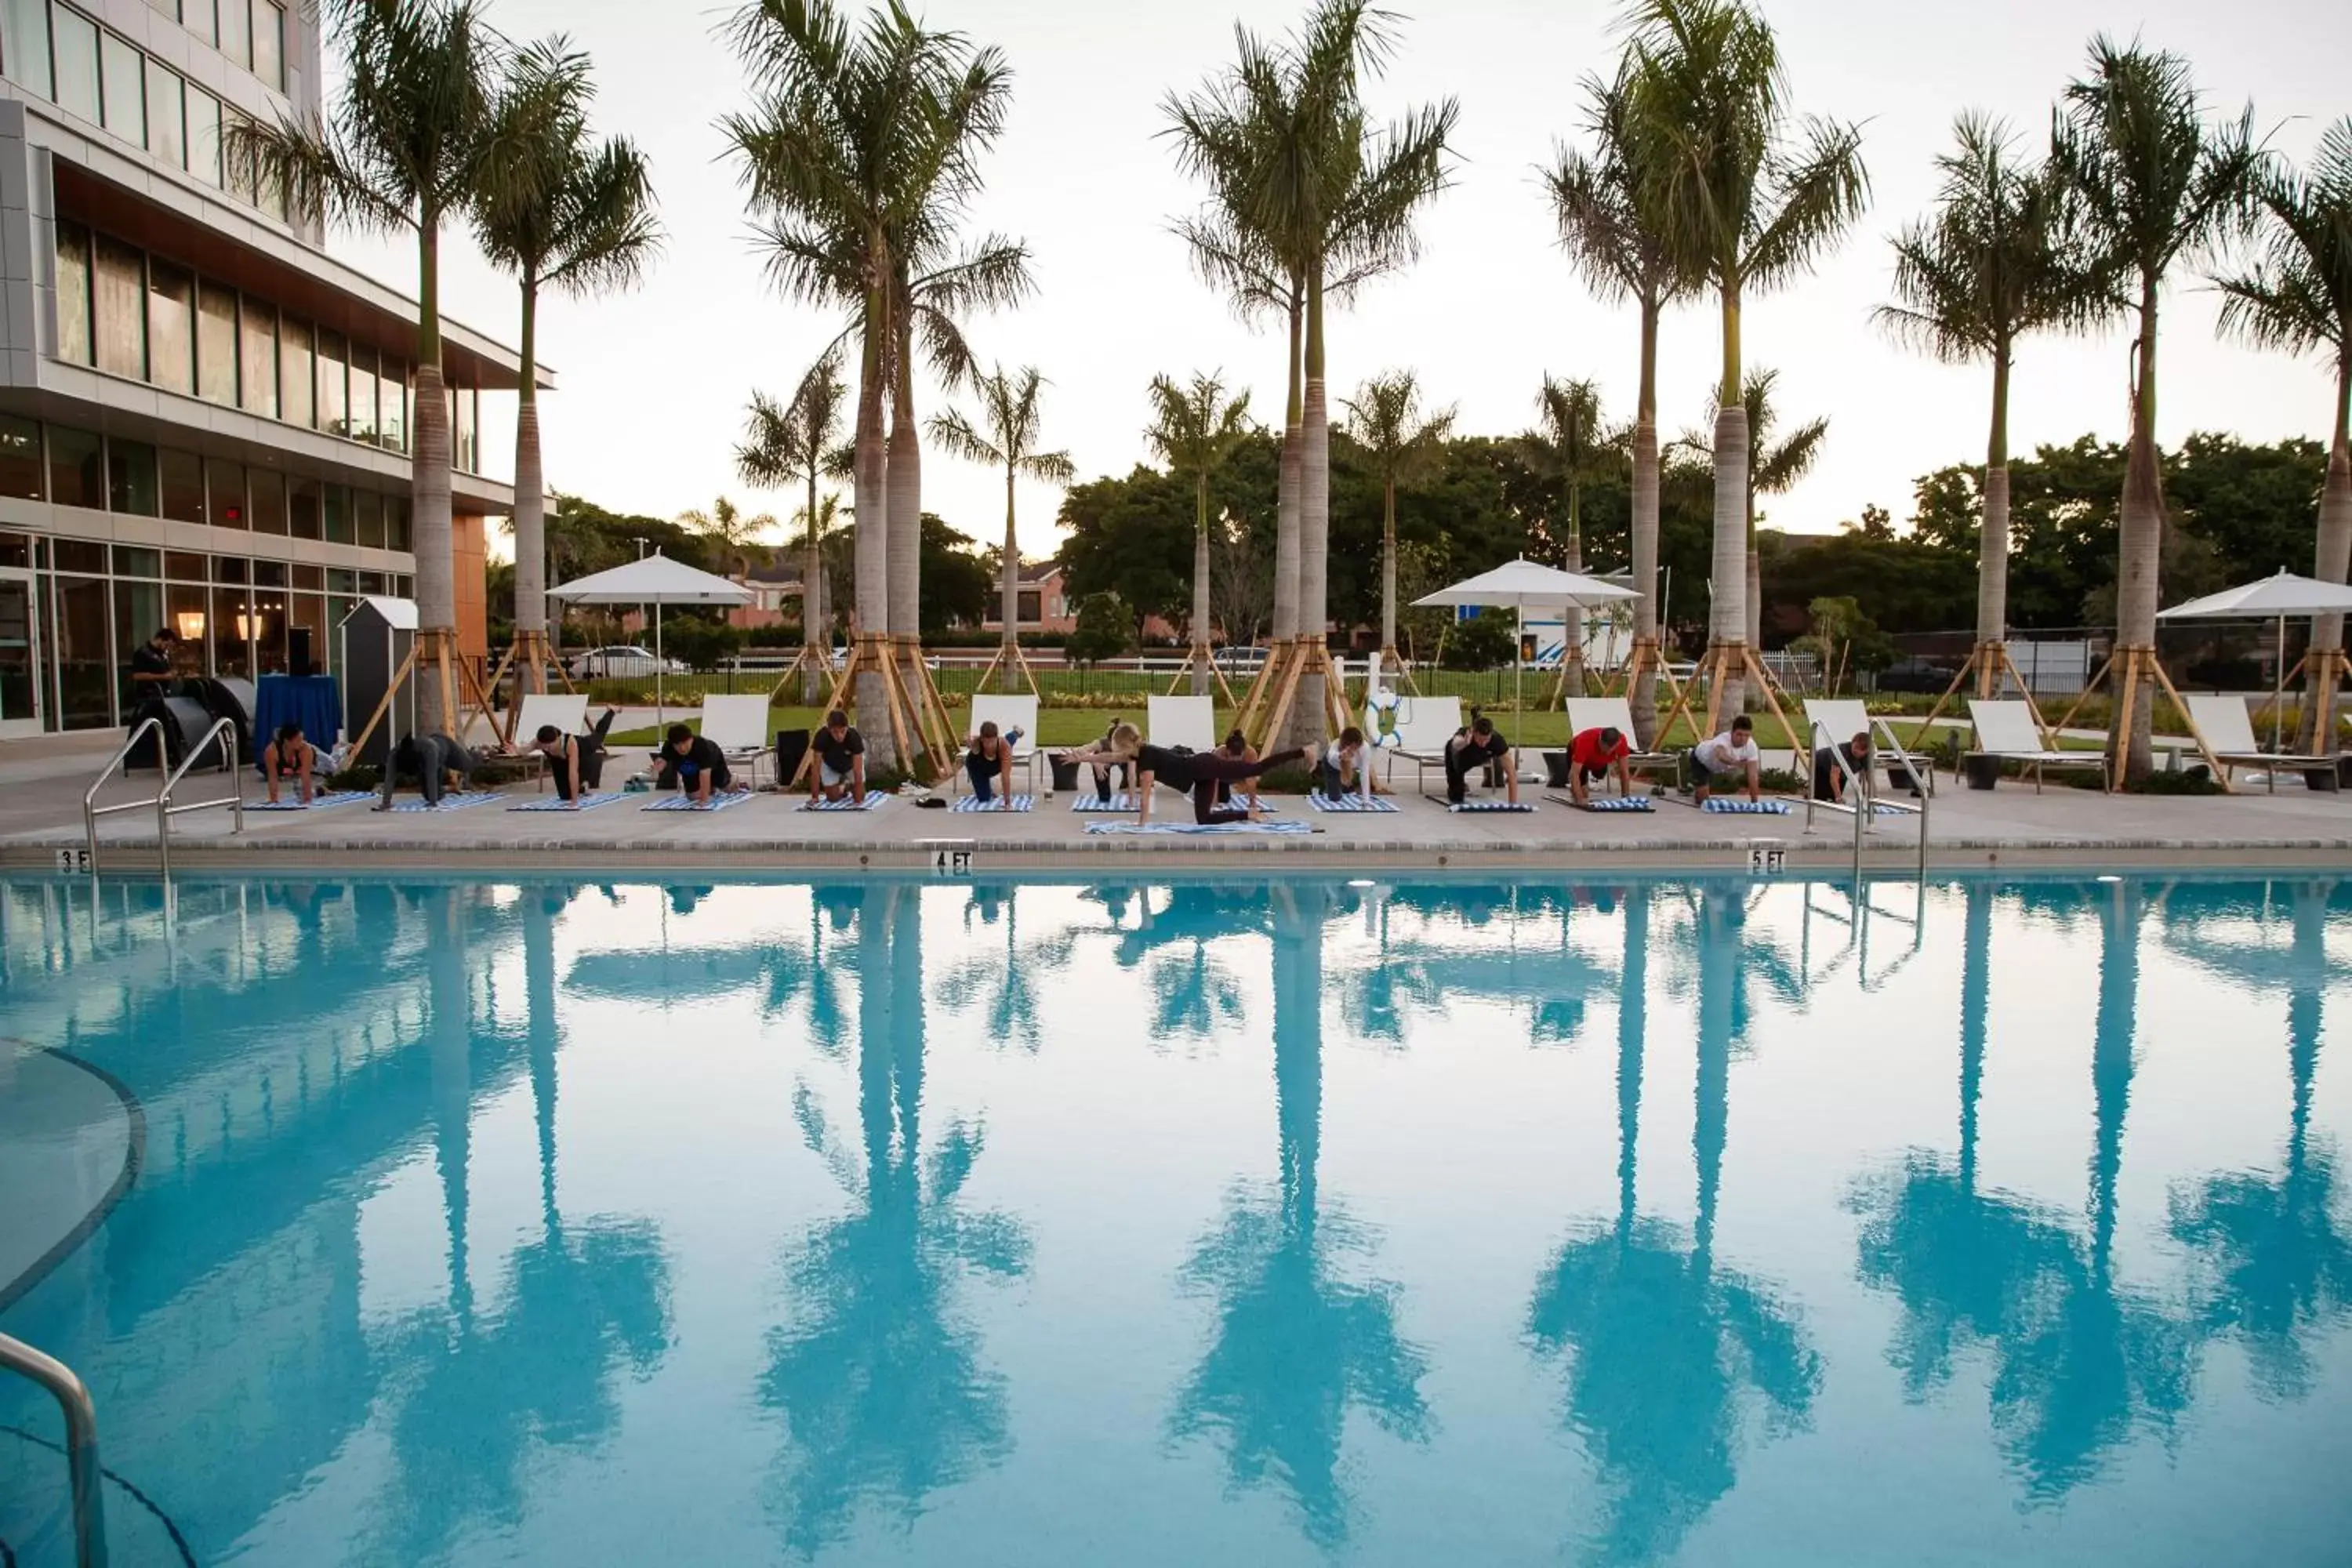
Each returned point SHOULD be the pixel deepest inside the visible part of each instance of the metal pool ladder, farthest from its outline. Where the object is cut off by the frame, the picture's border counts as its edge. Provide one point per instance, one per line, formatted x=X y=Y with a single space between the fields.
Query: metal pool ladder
x=223 y=730
x=81 y=1443
x=1866 y=805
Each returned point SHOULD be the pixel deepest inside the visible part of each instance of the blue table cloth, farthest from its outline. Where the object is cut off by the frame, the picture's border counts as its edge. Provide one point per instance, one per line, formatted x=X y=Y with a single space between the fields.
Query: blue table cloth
x=312 y=701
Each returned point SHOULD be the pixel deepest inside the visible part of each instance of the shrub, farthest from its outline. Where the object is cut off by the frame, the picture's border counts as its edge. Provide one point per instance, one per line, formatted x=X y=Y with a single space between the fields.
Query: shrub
x=359 y=775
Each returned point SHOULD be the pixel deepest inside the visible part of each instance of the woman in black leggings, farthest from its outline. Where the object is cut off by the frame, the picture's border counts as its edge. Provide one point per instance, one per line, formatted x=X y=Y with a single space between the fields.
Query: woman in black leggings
x=1199 y=772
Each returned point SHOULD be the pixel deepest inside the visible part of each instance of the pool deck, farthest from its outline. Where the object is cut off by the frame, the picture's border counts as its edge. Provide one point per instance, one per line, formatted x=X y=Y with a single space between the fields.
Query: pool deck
x=40 y=815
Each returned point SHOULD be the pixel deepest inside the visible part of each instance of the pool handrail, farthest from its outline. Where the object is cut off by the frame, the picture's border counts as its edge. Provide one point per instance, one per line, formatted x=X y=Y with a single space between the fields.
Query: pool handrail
x=1864 y=814
x=81 y=1442
x=222 y=730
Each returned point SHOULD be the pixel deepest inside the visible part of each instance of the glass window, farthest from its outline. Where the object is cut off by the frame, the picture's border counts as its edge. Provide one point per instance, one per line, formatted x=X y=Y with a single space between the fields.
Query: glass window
x=399 y=586
x=167 y=126
x=268 y=574
x=138 y=611
x=240 y=180
x=309 y=610
x=312 y=577
x=125 y=82
x=204 y=136
x=15 y=550
x=294 y=371
x=73 y=293
x=73 y=44
x=302 y=513
x=231 y=569
x=363 y=392
x=170 y=326
x=78 y=555
x=196 y=15
x=395 y=523
x=169 y=7
x=84 y=664
x=130 y=481
x=184 y=612
x=24 y=43
x=132 y=561
x=269 y=500
x=76 y=477
x=236 y=32
x=216 y=343
x=331 y=417
x=342 y=580
x=371 y=582
x=272 y=200
x=119 y=299
x=268 y=627
x=184 y=566
x=392 y=415
x=232 y=629
x=335 y=510
x=269 y=44
x=466 y=425
x=224 y=493
x=20 y=458
x=258 y=331
x=182 y=485
x=367 y=512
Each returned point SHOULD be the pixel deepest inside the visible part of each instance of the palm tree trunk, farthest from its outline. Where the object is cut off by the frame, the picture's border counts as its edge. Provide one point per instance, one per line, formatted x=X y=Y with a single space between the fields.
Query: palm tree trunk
x=1992 y=533
x=436 y=581
x=1727 y=615
x=873 y=537
x=1307 y=716
x=1752 y=572
x=2333 y=557
x=815 y=640
x=1645 y=524
x=529 y=493
x=2141 y=539
x=906 y=491
x=1009 y=668
x=1285 y=528
x=1387 y=573
x=1572 y=644
x=1200 y=580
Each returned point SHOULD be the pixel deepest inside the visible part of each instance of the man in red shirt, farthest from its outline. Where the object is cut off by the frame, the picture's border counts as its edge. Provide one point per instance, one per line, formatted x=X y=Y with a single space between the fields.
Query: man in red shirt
x=1594 y=754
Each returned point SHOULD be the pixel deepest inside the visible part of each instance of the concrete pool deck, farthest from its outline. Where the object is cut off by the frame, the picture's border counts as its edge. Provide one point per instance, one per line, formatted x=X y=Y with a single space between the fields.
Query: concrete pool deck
x=40 y=816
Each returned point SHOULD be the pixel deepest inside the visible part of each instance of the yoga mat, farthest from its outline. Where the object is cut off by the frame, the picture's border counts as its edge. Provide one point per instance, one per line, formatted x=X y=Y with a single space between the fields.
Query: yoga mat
x=1104 y=802
x=970 y=804
x=556 y=803
x=1350 y=803
x=1155 y=829
x=1480 y=807
x=1604 y=802
x=318 y=802
x=1722 y=806
x=720 y=801
x=448 y=801
x=874 y=798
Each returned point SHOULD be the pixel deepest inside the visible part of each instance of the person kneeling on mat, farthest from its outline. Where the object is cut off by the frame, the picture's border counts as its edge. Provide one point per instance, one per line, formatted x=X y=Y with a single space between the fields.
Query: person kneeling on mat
x=1478 y=745
x=441 y=762
x=1728 y=761
x=692 y=764
x=1593 y=755
x=1833 y=765
x=576 y=761
x=988 y=762
x=838 y=771
x=1199 y=772
x=1342 y=772
x=288 y=755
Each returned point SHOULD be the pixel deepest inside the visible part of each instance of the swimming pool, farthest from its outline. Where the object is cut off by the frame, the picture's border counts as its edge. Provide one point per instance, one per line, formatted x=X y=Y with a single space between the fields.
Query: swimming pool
x=1188 y=1222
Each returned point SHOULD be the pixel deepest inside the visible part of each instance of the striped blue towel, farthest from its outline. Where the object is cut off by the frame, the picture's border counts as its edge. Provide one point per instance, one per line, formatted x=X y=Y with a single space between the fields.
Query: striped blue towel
x=1612 y=803
x=1486 y=805
x=1104 y=802
x=874 y=798
x=719 y=801
x=1730 y=807
x=318 y=802
x=1189 y=828
x=1349 y=803
x=557 y=803
x=972 y=803
x=448 y=801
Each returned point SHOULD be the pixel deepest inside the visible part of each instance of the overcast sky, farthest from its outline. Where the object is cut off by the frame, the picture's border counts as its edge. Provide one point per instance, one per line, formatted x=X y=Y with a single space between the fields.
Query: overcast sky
x=653 y=383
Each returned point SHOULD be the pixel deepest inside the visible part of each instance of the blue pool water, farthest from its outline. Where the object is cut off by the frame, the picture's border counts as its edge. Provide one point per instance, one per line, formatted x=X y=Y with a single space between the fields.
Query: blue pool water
x=1267 y=1223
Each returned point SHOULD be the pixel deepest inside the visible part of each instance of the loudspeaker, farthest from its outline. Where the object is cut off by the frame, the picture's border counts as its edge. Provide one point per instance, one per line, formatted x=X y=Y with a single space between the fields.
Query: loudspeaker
x=792 y=745
x=185 y=721
x=297 y=651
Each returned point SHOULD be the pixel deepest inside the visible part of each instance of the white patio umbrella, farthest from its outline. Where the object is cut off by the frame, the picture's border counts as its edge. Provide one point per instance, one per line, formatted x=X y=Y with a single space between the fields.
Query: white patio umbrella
x=655 y=580
x=1520 y=585
x=2277 y=597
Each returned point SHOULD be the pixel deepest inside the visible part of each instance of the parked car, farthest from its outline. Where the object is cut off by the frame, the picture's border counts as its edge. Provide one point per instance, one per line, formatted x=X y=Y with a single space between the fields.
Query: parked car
x=1239 y=656
x=1914 y=673
x=625 y=662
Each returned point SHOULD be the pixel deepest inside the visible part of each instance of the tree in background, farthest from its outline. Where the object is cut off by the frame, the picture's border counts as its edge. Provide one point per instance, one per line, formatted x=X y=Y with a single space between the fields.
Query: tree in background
x=1385 y=418
x=1993 y=264
x=800 y=441
x=563 y=212
x=732 y=535
x=2152 y=183
x=1194 y=430
x=1569 y=446
x=1106 y=629
x=1773 y=468
x=1006 y=438
x=1746 y=197
x=411 y=142
x=2297 y=297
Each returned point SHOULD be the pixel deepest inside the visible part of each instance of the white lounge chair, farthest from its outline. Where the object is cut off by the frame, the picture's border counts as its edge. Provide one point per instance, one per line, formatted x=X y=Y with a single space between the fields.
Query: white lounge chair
x=738 y=726
x=1615 y=714
x=567 y=710
x=1423 y=725
x=2229 y=733
x=2005 y=730
x=1844 y=718
x=1189 y=722
x=1010 y=713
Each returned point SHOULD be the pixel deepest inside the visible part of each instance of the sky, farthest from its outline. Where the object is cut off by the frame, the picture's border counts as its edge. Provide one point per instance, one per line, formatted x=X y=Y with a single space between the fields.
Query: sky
x=653 y=383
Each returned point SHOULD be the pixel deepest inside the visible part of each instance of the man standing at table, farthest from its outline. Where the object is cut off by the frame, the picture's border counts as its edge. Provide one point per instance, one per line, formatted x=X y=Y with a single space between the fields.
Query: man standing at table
x=151 y=674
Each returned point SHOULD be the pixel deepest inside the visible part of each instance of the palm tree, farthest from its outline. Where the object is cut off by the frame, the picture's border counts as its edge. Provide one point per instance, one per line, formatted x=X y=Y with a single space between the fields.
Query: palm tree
x=2152 y=183
x=1993 y=264
x=728 y=532
x=1567 y=446
x=1194 y=430
x=1772 y=469
x=1746 y=197
x=1008 y=408
x=857 y=140
x=564 y=213
x=787 y=443
x=1619 y=245
x=1386 y=420
x=411 y=141
x=2298 y=297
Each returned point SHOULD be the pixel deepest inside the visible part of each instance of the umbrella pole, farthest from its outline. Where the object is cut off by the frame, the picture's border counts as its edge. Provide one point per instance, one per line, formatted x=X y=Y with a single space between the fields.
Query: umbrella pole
x=659 y=665
x=1518 y=663
x=2278 y=685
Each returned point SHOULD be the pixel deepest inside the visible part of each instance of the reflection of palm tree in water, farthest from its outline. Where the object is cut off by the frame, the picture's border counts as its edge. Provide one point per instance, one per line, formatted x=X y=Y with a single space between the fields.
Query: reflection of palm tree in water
x=1191 y=992
x=1296 y=1345
x=576 y=1300
x=1009 y=979
x=879 y=1384
x=2078 y=1362
x=2277 y=1269
x=1661 y=1341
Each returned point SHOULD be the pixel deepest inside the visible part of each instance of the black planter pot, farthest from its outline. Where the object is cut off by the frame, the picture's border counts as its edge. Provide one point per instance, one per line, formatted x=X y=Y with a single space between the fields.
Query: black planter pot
x=1981 y=772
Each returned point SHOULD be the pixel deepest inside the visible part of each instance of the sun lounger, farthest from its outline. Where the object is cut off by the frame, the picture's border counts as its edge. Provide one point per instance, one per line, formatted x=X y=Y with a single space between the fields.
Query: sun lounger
x=1010 y=713
x=2229 y=733
x=1187 y=721
x=1423 y=725
x=2005 y=730
x=738 y=726
x=1615 y=713
x=1844 y=718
